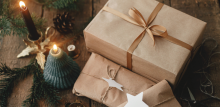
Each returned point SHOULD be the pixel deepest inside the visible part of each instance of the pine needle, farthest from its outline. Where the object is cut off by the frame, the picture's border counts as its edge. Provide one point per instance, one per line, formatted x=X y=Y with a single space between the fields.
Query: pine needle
x=39 y=90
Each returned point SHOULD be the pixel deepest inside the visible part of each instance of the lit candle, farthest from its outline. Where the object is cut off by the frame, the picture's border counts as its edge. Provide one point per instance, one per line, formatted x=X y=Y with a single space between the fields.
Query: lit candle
x=33 y=34
x=56 y=52
x=55 y=49
x=60 y=70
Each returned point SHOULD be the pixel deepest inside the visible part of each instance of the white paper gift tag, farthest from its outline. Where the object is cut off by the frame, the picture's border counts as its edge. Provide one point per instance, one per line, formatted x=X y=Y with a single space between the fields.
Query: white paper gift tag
x=113 y=83
x=135 y=101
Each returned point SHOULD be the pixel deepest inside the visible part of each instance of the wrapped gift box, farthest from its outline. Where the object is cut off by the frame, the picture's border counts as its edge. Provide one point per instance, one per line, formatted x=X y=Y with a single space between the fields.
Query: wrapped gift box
x=91 y=84
x=111 y=36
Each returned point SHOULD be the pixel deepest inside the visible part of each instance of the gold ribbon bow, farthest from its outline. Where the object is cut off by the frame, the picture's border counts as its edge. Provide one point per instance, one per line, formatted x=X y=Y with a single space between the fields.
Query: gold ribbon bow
x=154 y=30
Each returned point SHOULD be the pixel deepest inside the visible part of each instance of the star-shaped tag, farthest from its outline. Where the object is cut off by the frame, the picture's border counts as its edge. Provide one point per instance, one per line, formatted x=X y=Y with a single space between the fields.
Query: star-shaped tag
x=135 y=101
x=113 y=83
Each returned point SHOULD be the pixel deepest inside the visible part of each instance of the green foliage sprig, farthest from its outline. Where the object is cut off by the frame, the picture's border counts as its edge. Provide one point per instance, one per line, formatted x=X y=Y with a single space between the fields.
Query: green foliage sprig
x=60 y=4
x=12 y=23
x=9 y=78
x=39 y=90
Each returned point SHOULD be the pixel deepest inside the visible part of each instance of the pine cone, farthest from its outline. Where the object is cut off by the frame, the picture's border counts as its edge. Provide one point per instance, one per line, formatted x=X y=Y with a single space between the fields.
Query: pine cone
x=63 y=23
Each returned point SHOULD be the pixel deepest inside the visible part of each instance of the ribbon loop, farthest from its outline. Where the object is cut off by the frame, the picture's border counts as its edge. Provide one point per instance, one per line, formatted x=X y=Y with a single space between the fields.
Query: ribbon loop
x=135 y=14
x=158 y=30
x=155 y=30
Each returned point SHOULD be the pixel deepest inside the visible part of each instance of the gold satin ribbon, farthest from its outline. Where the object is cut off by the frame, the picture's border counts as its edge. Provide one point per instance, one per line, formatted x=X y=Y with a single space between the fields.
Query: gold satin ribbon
x=154 y=30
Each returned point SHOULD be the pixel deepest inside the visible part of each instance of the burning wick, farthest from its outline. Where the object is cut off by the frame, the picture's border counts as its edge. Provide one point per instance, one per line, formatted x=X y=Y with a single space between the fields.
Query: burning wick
x=22 y=5
x=55 y=49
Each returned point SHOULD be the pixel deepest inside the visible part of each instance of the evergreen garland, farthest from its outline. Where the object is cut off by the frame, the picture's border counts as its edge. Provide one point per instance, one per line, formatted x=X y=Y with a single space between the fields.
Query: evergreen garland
x=65 y=4
x=10 y=77
x=39 y=90
x=60 y=4
x=12 y=23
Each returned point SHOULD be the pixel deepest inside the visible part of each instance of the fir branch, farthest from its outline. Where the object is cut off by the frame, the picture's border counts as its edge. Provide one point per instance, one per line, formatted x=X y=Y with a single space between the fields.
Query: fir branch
x=1 y=5
x=41 y=90
x=11 y=23
x=9 y=79
x=60 y=4
x=31 y=101
x=65 y=4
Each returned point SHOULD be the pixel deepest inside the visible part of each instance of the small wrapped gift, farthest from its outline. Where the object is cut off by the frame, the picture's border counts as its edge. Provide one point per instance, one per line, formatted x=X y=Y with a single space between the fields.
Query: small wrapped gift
x=147 y=37
x=160 y=95
x=92 y=84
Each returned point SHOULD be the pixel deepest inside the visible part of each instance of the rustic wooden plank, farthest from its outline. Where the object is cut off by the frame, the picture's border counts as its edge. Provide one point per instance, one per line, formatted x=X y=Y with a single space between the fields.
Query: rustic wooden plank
x=13 y=45
x=208 y=11
x=20 y=92
x=98 y=5
x=81 y=16
x=167 y=2
x=1 y=40
x=67 y=96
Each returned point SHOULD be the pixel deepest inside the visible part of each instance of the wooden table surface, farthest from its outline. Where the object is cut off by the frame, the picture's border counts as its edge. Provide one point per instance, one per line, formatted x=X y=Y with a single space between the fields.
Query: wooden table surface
x=11 y=46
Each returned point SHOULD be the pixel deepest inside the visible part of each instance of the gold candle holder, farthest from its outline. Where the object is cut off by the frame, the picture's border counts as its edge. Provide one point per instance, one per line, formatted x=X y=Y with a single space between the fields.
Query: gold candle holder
x=36 y=42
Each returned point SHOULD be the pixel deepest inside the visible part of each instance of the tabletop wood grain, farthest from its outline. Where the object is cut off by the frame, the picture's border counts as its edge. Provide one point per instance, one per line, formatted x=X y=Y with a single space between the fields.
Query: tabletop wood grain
x=11 y=46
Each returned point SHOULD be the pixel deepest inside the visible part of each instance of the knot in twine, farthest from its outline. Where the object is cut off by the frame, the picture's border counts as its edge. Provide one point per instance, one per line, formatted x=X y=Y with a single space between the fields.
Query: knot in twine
x=111 y=74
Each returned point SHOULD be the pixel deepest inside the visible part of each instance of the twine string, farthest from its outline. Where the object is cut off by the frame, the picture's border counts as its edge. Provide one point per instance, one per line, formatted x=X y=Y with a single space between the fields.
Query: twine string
x=110 y=75
x=205 y=84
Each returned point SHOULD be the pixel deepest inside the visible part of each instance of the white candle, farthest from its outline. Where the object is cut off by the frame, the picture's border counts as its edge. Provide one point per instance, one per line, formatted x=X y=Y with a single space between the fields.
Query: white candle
x=56 y=52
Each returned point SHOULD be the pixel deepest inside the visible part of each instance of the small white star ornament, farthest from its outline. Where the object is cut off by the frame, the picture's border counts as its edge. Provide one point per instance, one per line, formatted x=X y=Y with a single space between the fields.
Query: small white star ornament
x=113 y=83
x=135 y=101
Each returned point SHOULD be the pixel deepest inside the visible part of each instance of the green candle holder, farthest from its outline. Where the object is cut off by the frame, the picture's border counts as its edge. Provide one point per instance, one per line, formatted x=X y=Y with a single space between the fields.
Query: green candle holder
x=60 y=70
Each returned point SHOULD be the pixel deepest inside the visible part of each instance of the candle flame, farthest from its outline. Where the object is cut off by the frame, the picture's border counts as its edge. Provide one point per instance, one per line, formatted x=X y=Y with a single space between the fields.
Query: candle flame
x=21 y=3
x=55 y=50
x=55 y=47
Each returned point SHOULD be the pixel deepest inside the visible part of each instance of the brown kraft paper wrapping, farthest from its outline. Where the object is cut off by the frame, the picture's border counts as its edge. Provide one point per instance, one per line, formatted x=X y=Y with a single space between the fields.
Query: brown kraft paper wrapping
x=91 y=85
x=111 y=36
